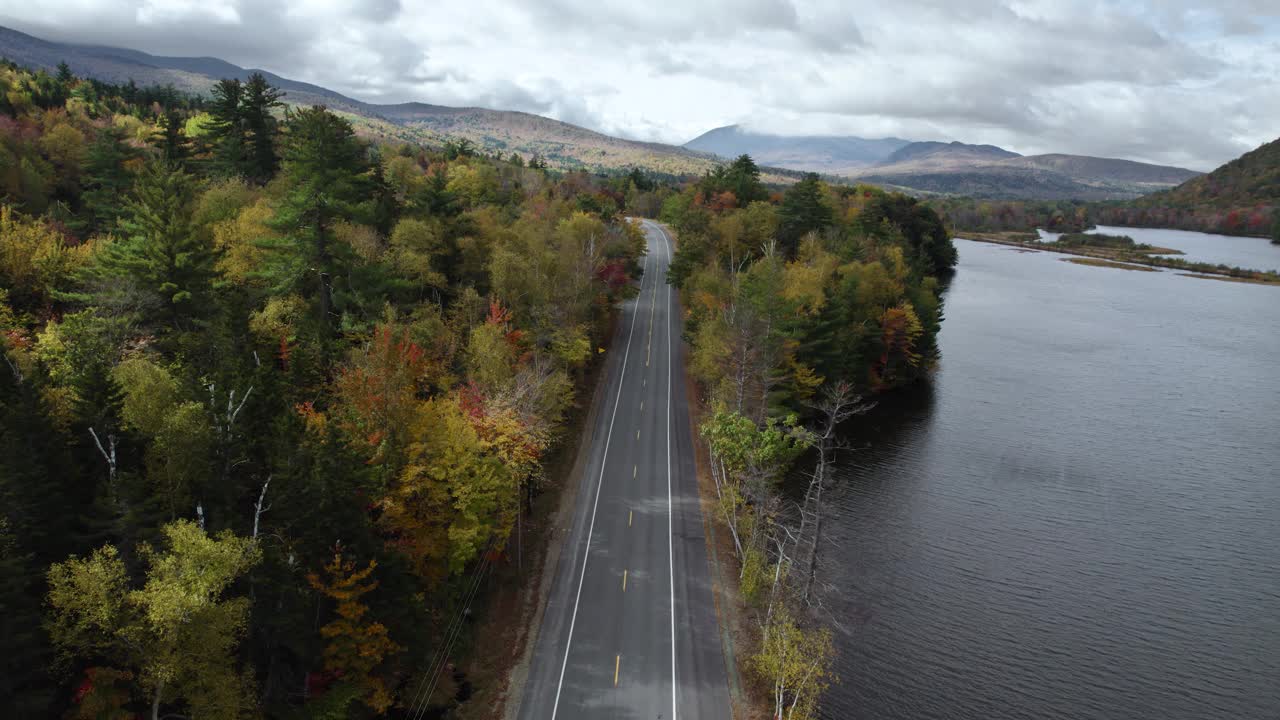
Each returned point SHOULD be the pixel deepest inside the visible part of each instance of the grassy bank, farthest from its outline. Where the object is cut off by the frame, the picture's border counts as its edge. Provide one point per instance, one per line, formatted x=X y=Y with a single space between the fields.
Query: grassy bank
x=1098 y=262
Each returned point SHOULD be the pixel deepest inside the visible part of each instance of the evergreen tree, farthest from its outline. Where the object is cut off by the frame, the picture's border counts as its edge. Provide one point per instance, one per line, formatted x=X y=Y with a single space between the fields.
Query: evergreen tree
x=107 y=182
x=37 y=477
x=324 y=166
x=436 y=198
x=64 y=73
x=227 y=128
x=26 y=648
x=162 y=253
x=742 y=178
x=804 y=210
x=258 y=98
x=171 y=139
x=932 y=252
x=641 y=180
x=385 y=206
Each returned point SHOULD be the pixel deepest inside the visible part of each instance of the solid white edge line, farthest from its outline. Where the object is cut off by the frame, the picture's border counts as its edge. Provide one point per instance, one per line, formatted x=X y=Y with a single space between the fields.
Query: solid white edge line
x=671 y=562
x=586 y=551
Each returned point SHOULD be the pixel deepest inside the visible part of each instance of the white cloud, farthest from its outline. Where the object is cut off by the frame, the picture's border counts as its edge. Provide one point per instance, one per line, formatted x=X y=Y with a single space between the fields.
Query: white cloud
x=164 y=12
x=1169 y=81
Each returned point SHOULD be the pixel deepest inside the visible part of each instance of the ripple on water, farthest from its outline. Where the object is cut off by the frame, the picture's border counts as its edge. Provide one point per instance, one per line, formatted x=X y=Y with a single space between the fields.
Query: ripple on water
x=1081 y=518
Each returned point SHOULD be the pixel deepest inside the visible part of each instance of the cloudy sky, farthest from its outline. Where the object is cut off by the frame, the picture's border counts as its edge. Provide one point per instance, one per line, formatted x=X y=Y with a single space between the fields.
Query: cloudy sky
x=1167 y=81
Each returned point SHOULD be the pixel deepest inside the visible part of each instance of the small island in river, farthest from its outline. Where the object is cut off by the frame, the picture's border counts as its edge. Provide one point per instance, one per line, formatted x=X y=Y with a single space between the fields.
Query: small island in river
x=1121 y=251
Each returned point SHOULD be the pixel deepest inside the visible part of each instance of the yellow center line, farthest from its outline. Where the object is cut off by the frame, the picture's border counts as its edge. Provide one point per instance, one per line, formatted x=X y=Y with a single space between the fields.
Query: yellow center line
x=624 y=581
x=629 y=518
x=634 y=469
x=617 y=662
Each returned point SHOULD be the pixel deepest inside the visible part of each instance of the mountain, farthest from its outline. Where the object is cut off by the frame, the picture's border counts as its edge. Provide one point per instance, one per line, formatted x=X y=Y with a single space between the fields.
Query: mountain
x=830 y=154
x=1251 y=179
x=1241 y=197
x=563 y=145
x=922 y=167
x=940 y=153
x=953 y=168
x=991 y=172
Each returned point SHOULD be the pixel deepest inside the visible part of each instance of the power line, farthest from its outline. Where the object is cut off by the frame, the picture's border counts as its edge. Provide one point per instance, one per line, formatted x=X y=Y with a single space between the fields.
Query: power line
x=454 y=628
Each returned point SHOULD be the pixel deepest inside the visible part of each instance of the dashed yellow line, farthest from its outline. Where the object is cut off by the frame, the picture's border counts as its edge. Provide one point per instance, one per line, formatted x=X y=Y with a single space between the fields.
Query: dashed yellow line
x=617 y=663
x=629 y=512
x=624 y=581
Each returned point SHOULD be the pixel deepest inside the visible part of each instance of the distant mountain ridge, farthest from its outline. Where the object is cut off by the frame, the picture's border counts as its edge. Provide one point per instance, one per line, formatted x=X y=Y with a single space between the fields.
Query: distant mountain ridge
x=831 y=154
x=949 y=168
x=920 y=167
x=563 y=145
x=952 y=151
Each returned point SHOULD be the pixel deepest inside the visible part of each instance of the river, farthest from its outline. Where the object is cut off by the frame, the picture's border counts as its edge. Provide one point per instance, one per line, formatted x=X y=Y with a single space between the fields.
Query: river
x=1246 y=252
x=1080 y=518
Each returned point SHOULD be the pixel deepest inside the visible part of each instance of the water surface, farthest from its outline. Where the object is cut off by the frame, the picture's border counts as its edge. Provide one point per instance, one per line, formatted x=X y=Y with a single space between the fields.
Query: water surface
x=1081 y=518
x=1246 y=252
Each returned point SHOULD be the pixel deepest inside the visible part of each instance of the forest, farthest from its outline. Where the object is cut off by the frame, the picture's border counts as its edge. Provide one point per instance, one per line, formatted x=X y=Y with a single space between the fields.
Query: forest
x=803 y=307
x=275 y=395
x=272 y=394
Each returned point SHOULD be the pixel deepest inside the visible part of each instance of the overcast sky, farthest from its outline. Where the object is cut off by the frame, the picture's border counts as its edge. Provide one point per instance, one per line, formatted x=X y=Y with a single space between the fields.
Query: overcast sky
x=1167 y=81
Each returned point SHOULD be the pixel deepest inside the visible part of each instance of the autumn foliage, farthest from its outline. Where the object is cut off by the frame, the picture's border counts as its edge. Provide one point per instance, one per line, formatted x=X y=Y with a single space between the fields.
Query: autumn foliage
x=357 y=645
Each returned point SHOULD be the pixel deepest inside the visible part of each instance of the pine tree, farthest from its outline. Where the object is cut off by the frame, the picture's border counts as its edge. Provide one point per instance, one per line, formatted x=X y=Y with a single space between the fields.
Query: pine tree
x=64 y=75
x=107 y=182
x=804 y=210
x=227 y=129
x=26 y=648
x=171 y=138
x=742 y=178
x=258 y=98
x=324 y=167
x=162 y=253
x=37 y=476
x=385 y=206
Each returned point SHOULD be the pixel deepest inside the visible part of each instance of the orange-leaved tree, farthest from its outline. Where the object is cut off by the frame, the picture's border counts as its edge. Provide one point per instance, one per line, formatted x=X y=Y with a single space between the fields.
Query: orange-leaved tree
x=357 y=645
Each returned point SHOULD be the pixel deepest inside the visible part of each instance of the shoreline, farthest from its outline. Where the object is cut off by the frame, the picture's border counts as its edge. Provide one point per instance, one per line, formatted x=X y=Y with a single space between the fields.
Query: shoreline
x=1256 y=277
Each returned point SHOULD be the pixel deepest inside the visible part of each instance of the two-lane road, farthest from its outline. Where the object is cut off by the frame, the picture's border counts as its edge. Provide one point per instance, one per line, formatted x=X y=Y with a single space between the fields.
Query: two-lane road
x=630 y=628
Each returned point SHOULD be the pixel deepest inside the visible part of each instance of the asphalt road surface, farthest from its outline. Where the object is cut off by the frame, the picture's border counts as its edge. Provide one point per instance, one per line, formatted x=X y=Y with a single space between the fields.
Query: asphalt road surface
x=630 y=628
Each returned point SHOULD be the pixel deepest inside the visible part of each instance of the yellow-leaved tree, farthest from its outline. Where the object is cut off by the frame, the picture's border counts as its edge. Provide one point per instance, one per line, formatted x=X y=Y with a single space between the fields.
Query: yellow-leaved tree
x=176 y=634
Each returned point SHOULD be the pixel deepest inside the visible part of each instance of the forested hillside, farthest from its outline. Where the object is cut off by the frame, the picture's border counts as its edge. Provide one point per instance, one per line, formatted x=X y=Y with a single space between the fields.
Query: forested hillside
x=272 y=397
x=1239 y=198
x=561 y=145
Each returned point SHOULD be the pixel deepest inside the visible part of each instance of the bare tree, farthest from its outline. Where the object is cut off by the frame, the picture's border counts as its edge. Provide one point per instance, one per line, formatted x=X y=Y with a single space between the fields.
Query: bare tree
x=107 y=454
x=838 y=403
